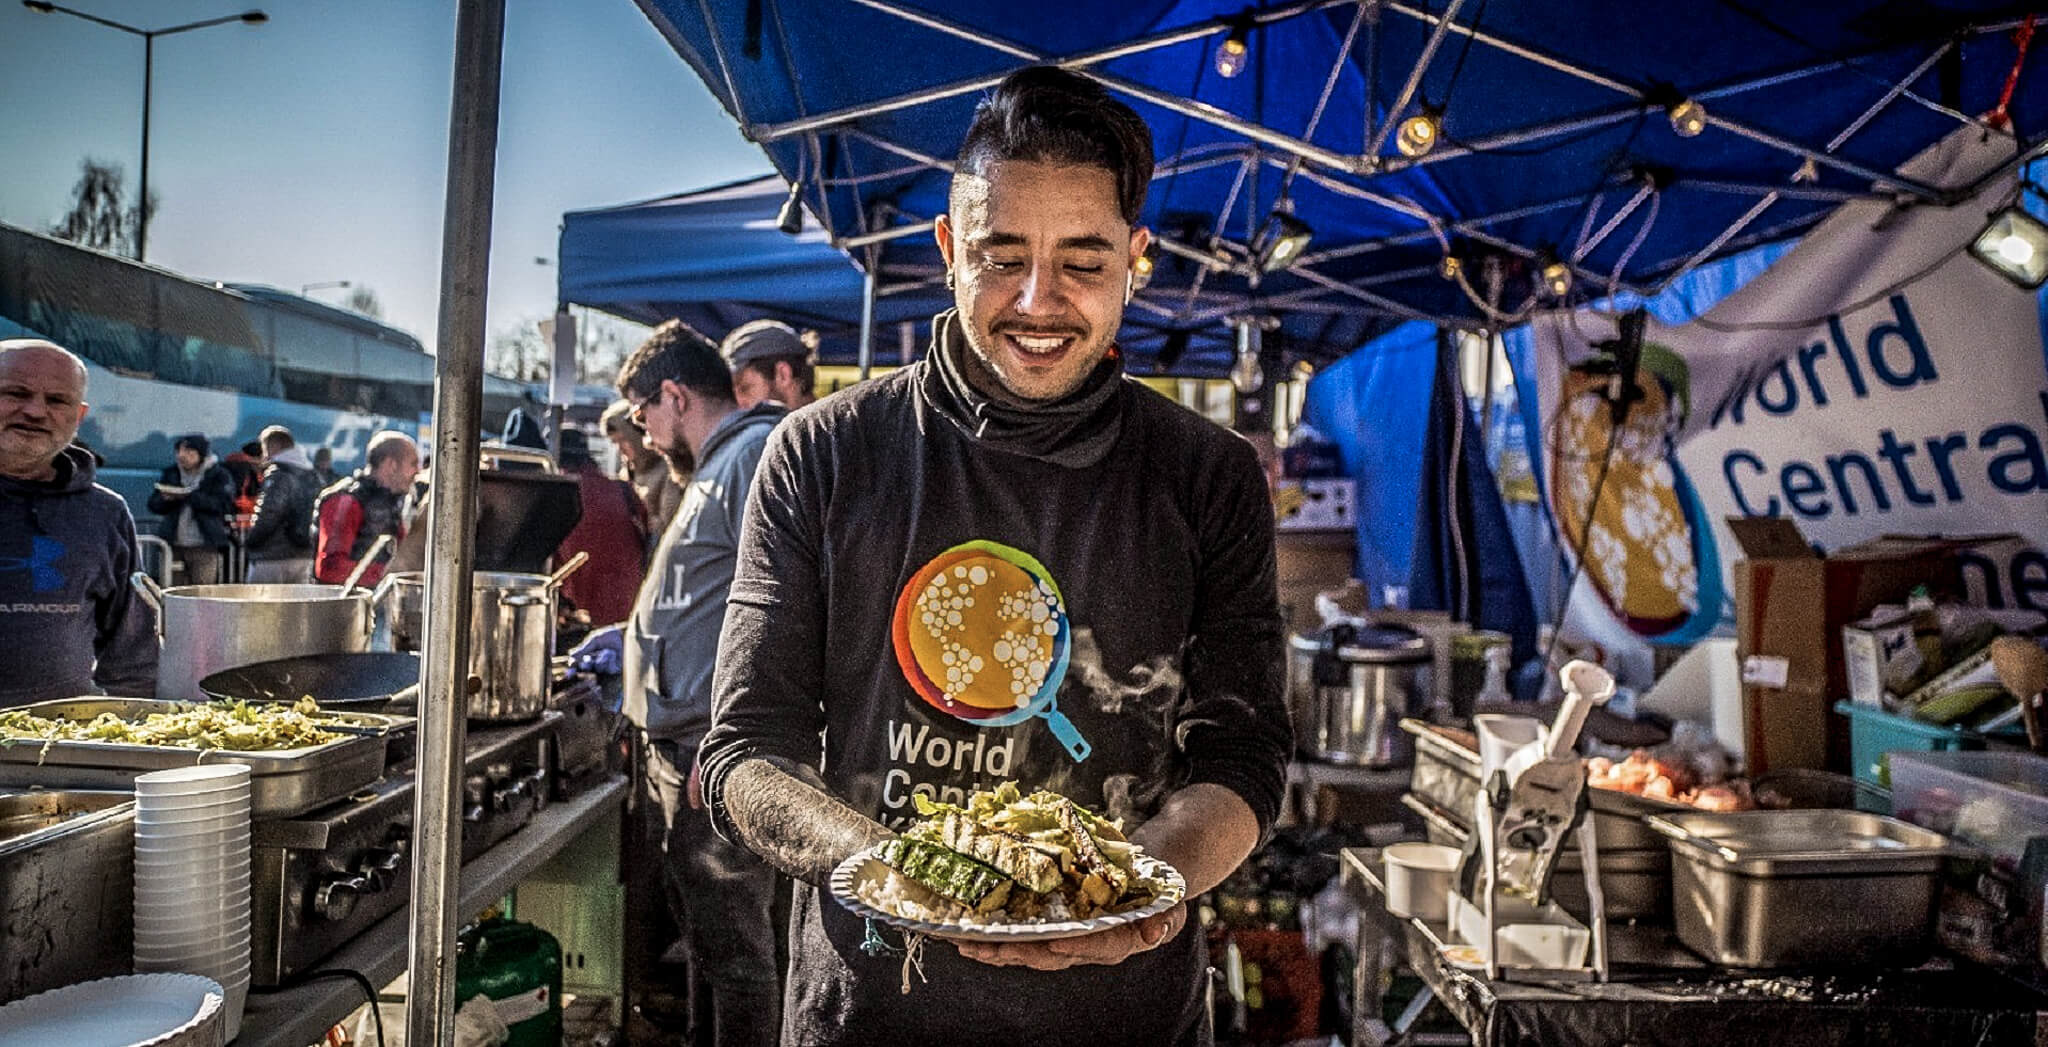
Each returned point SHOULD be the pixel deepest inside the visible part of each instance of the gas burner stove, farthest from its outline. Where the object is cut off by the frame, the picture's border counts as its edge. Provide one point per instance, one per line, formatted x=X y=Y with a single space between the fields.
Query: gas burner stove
x=321 y=878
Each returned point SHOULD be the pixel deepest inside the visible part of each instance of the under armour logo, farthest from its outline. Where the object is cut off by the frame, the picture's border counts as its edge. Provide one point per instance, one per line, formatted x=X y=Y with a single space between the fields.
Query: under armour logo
x=40 y=563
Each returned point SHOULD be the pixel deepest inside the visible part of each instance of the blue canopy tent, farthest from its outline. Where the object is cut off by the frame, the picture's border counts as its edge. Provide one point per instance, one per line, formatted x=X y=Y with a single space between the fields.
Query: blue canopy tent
x=1578 y=151
x=1458 y=163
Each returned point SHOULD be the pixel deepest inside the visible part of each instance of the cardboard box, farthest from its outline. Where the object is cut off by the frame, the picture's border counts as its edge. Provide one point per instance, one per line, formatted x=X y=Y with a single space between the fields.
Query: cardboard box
x=1790 y=606
x=1310 y=562
x=1878 y=655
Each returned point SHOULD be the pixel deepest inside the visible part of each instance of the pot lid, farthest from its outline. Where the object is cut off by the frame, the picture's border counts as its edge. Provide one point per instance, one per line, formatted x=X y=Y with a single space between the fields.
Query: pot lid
x=1379 y=644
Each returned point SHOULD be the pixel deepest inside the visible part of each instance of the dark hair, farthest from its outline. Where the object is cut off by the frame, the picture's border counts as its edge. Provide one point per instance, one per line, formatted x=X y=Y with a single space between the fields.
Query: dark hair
x=1045 y=114
x=195 y=441
x=676 y=352
x=253 y=449
x=276 y=438
x=800 y=368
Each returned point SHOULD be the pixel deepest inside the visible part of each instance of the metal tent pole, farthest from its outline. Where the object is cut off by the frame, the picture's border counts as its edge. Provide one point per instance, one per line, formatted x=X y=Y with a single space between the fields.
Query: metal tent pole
x=458 y=409
x=867 y=312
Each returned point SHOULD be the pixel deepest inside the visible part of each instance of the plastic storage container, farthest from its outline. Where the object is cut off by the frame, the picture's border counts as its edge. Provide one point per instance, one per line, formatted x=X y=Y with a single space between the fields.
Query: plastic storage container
x=1873 y=733
x=1994 y=801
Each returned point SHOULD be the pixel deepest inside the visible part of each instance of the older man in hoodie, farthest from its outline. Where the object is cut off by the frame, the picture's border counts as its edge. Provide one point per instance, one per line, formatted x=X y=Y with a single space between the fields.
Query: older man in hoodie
x=280 y=541
x=72 y=622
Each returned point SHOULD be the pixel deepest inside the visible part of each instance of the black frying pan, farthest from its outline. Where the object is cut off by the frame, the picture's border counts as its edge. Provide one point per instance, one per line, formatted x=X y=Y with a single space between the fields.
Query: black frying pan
x=334 y=680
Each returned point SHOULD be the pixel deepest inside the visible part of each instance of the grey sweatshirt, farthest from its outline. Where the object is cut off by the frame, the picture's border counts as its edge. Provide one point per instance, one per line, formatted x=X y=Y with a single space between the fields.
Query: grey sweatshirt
x=672 y=639
x=69 y=617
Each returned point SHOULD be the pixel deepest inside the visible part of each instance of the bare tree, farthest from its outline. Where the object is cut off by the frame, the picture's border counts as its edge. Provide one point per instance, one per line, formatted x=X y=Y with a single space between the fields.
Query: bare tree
x=363 y=300
x=602 y=344
x=517 y=352
x=100 y=216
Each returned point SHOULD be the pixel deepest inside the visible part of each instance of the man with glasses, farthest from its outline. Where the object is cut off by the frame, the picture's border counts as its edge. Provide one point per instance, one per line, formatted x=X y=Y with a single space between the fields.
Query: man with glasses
x=679 y=391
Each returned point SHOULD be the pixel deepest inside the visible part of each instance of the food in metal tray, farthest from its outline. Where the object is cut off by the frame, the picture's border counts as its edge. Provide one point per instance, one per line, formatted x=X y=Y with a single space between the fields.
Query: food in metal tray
x=1644 y=774
x=1007 y=858
x=234 y=725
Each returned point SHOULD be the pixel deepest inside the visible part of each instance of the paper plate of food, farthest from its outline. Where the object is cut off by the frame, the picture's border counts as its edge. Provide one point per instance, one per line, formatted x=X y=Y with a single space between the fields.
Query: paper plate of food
x=1007 y=868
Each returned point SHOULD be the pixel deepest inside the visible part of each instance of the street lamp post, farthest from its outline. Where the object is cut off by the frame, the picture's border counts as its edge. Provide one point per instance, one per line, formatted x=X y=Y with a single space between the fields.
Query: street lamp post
x=148 y=36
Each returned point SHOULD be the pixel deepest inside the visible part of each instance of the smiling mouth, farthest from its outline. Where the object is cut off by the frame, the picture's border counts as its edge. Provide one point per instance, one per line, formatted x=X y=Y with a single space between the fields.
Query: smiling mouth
x=1041 y=347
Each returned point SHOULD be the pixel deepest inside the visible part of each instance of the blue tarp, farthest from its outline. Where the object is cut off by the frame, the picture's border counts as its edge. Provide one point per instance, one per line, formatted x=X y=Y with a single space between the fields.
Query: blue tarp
x=1553 y=128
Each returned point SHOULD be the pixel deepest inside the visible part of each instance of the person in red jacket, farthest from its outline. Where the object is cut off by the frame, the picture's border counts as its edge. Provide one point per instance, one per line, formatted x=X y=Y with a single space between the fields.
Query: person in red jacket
x=613 y=530
x=352 y=513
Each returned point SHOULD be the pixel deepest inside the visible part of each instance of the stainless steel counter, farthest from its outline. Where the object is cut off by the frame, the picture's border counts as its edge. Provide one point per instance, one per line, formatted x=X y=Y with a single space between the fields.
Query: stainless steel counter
x=295 y=1017
x=1663 y=994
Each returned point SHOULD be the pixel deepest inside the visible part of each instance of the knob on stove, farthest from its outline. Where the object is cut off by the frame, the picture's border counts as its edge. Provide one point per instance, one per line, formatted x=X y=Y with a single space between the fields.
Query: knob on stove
x=337 y=896
x=378 y=867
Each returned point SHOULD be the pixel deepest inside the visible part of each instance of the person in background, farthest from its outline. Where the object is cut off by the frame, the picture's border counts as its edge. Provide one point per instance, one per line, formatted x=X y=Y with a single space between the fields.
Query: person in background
x=612 y=529
x=659 y=486
x=723 y=896
x=323 y=467
x=71 y=620
x=193 y=500
x=279 y=542
x=353 y=512
x=246 y=466
x=771 y=361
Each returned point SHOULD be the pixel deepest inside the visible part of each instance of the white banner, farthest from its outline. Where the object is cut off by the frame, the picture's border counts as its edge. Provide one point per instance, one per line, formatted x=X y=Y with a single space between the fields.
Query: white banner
x=1876 y=380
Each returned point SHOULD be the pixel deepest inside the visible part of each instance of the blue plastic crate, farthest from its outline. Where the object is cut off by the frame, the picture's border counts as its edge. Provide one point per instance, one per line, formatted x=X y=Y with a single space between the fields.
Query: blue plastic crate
x=1873 y=732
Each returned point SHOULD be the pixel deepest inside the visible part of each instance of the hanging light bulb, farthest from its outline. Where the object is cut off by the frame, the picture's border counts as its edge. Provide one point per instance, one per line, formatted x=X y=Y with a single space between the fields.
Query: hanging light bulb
x=1555 y=278
x=1449 y=267
x=1246 y=376
x=2015 y=245
x=1418 y=133
x=1141 y=272
x=1688 y=117
x=1234 y=53
x=791 y=218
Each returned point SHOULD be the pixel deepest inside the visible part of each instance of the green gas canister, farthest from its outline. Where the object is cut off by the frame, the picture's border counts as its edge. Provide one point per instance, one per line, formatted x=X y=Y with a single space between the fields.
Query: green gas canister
x=519 y=966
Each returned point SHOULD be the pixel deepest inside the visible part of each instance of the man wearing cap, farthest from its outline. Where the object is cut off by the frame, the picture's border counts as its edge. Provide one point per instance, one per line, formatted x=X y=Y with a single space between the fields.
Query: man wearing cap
x=67 y=545
x=770 y=361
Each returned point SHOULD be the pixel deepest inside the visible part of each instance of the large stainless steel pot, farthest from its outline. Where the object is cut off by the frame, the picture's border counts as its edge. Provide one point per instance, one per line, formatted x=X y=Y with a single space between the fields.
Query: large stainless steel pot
x=511 y=638
x=1350 y=686
x=207 y=628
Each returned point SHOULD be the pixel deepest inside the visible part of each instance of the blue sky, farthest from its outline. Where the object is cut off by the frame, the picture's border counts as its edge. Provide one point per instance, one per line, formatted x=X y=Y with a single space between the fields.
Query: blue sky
x=314 y=148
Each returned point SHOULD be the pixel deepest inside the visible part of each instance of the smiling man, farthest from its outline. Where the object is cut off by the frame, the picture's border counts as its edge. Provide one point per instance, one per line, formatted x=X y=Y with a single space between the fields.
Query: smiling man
x=1007 y=562
x=70 y=623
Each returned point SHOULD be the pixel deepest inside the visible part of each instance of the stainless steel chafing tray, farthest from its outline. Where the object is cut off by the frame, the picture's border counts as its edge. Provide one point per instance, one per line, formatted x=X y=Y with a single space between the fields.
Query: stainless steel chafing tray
x=283 y=782
x=1771 y=888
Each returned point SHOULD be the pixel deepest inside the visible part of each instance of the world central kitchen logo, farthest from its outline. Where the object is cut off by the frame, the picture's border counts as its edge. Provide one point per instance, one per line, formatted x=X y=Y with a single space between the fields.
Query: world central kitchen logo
x=40 y=563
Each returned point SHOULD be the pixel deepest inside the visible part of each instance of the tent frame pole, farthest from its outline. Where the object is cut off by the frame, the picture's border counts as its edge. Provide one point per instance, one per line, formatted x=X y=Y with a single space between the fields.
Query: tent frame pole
x=868 y=282
x=969 y=85
x=1401 y=100
x=451 y=515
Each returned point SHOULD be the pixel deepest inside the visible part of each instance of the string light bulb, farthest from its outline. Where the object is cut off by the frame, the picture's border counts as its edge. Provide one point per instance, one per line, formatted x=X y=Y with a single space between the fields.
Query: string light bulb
x=1688 y=117
x=1419 y=133
x=1449 y=267
x=1141 y=272
x=791 y=218
x=1234 y=53
x=1556 y=278
x=1246 y=376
